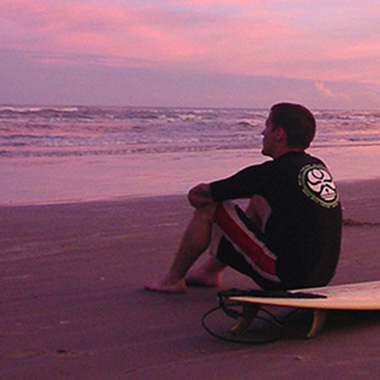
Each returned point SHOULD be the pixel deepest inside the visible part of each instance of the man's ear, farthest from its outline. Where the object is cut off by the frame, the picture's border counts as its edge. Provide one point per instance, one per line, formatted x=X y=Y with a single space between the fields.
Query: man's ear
x=280 y=133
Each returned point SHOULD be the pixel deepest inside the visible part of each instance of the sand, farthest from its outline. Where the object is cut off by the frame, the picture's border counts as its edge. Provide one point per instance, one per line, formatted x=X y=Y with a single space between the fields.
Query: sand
x=73 y=307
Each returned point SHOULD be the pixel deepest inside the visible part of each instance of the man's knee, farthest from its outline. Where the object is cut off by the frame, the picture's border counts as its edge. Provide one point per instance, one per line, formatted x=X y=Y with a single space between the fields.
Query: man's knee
x=206 y=213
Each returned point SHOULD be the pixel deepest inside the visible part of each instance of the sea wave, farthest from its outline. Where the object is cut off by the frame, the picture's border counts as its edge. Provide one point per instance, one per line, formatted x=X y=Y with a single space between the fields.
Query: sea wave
x=26 y=109
x=131 y=151
x=31 y=131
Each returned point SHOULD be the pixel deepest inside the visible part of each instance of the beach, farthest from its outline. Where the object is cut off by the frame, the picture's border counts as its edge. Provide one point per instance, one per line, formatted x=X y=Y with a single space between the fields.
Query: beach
x=73 y=304
x=93 y=205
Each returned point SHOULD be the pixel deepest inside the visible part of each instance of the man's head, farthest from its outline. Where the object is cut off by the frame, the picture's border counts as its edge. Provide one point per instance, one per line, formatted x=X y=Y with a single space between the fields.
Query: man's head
x=297 y=122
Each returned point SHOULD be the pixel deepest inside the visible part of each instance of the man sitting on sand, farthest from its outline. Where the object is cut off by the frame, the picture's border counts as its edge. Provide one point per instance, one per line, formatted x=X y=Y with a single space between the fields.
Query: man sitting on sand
x=288 y=237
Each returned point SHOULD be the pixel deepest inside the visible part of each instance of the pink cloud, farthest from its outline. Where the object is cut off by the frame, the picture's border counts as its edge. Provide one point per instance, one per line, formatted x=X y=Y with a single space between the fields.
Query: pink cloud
x=93 y=28
x=248 y=37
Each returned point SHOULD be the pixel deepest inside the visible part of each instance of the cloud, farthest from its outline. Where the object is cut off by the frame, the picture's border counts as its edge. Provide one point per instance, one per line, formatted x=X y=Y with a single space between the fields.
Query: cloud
x=328 y=93
x=238 y=37
x=321 y=87
x=242 y=38
x=117 y=30
x=84 y=59
x=163 y=36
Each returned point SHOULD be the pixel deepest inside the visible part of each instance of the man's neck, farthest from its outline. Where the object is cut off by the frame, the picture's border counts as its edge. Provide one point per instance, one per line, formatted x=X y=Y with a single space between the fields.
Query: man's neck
x=281 y=152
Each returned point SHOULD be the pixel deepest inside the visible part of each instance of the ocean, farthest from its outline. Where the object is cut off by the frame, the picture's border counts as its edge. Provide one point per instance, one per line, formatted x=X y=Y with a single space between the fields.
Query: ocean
x=65 y=154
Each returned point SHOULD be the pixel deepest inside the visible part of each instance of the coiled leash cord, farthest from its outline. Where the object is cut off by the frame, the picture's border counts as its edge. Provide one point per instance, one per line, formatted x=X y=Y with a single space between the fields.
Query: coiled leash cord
x=229 y=308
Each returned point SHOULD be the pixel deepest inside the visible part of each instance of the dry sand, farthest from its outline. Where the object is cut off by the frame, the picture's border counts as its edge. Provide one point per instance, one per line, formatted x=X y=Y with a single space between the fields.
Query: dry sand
x=72 y=304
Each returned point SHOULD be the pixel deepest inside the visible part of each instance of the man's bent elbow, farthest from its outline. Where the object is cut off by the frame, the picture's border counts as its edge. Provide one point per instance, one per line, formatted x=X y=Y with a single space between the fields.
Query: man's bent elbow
x=200 y=195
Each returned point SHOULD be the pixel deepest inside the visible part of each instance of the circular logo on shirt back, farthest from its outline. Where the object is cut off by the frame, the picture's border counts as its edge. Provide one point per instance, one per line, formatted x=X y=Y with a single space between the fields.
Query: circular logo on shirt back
x=317 y=183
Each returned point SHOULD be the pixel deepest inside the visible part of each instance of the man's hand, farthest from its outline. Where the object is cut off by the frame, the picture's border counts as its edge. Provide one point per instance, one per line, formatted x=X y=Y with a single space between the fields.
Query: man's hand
x=200 y=195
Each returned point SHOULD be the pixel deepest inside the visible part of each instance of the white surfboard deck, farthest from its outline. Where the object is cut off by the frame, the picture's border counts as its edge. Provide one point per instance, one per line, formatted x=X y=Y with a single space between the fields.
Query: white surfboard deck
x=359 y=296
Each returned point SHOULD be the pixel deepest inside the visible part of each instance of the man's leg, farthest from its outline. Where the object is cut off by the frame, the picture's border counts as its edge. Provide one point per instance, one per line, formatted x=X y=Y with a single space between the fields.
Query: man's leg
x=209 y=274
x=195 y=241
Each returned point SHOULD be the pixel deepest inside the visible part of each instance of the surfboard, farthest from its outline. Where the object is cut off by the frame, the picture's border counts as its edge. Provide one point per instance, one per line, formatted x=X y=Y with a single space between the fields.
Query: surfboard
x=359 y=296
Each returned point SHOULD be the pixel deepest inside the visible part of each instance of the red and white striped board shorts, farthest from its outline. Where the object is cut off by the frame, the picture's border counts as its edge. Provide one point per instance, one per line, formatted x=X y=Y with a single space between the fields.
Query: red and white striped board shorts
x=238 y=243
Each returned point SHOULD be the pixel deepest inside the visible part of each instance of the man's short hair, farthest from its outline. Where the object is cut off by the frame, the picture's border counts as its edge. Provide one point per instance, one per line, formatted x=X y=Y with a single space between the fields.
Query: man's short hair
x=297 y=121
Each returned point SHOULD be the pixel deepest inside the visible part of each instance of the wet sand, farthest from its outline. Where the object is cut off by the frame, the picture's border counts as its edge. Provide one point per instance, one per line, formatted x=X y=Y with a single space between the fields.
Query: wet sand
x=73 y=307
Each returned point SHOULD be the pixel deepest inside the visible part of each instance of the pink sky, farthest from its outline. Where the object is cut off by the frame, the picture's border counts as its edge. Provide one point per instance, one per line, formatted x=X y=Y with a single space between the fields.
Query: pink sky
x=190 y=52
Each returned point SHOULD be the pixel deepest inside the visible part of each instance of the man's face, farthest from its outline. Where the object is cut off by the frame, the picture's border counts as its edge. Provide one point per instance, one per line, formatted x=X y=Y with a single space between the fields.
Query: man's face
x=269 y=138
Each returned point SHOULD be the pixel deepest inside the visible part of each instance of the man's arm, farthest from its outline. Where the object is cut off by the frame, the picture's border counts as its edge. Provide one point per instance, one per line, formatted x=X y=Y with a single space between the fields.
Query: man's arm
x=200 y=195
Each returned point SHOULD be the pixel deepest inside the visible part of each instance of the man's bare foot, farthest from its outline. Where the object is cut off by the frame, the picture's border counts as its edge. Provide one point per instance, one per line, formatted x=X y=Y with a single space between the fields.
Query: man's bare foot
x=163 y=285
x=198 y=277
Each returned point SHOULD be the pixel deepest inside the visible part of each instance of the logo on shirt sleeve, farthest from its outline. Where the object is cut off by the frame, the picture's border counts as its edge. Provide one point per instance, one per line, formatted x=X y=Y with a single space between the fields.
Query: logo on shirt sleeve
x=317 y=183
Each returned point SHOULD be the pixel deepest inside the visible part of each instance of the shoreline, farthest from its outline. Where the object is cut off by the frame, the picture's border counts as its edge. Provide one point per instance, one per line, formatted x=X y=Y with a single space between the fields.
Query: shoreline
x=365 y=185
x=42 y=180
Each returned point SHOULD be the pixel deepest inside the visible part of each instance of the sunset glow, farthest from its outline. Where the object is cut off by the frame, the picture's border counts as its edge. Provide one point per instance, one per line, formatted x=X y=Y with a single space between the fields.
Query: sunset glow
x=328 y=50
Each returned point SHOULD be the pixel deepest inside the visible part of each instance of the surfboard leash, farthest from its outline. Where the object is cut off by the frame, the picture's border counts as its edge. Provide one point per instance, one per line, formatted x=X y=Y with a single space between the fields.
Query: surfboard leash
x=231 y=309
